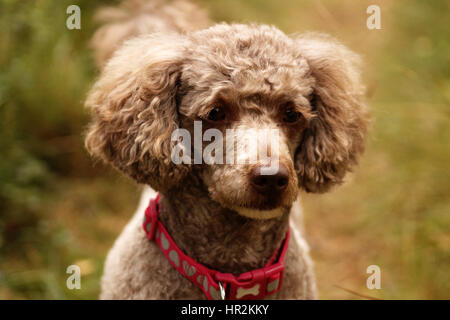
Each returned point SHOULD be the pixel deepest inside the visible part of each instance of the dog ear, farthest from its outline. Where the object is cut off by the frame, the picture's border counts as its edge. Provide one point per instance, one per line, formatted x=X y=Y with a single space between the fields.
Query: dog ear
x=134 y=110
x=335 y=137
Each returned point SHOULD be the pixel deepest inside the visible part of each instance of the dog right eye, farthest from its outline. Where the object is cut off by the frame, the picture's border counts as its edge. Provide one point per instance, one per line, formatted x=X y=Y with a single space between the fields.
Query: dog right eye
x=216 y=115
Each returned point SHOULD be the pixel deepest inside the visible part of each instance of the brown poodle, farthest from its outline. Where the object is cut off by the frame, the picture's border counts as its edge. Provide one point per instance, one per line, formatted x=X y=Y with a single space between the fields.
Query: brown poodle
x=228 y=217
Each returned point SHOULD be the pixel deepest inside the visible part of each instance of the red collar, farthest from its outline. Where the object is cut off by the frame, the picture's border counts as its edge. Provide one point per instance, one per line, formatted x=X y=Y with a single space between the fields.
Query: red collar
x=255 y=284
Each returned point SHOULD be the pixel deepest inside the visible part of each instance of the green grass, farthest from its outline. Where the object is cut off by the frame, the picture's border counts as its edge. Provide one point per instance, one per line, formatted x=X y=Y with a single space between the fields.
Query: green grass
x=57 y=208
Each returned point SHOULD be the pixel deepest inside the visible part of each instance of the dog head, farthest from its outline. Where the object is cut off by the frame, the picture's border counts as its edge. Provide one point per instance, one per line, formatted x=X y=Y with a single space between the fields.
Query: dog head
x=284 y=114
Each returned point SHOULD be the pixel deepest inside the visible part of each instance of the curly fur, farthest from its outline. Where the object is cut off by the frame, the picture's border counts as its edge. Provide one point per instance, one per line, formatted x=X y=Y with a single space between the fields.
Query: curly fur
x=136 y=17
x=161 y=81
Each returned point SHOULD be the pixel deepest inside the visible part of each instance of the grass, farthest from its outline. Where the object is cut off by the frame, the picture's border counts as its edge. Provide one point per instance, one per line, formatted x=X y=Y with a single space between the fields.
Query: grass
x=58 y=209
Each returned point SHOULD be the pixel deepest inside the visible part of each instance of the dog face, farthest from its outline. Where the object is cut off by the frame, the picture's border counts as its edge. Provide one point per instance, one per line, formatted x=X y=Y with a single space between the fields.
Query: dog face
x=249 y=92
x=245 y=84
x=244 y=123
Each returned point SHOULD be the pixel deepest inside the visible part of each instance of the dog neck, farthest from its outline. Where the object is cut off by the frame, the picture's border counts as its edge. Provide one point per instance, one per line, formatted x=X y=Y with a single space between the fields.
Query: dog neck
x=218 y=237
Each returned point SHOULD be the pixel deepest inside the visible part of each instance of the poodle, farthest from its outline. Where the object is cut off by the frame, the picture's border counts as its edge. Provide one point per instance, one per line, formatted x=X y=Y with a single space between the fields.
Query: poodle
x=163 y=70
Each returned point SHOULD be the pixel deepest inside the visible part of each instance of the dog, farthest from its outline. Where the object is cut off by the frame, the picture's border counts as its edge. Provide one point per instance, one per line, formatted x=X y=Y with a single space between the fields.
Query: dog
x=165 y=67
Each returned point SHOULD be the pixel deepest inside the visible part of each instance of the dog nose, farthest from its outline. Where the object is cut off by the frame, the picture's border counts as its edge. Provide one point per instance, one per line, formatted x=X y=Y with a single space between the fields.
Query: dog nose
x=269 y=183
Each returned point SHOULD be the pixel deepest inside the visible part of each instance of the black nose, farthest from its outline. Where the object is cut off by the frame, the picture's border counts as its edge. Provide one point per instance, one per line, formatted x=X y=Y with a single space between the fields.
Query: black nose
x=269 y=183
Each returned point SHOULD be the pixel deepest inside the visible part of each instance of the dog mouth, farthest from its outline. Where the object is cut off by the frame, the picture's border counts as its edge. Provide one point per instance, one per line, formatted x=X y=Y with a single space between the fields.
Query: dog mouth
x=259 y=207
x=262 y=214
x=250 y=204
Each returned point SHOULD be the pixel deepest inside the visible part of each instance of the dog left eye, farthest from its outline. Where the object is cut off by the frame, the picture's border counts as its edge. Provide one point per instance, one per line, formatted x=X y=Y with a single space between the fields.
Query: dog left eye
x=291 y=116
x=217 y=114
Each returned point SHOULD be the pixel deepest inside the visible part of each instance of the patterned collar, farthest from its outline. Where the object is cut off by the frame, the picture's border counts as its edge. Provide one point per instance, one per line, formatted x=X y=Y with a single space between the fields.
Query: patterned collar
x=254 y=284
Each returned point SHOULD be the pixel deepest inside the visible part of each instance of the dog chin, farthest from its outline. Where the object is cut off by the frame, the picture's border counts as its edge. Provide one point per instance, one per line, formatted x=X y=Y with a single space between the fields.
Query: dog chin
x=260 y=214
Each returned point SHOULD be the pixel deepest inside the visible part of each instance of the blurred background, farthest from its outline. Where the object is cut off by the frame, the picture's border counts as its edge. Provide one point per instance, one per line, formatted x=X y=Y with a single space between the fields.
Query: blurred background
x=58 y=207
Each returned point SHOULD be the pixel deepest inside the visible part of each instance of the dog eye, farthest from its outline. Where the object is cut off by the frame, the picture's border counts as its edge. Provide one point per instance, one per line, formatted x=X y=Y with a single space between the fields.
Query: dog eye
x=291 y=116
x=217 y=114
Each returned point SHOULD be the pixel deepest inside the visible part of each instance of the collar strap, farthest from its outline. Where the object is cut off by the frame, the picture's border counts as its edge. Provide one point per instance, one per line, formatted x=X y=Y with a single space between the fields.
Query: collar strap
x=255 y=284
